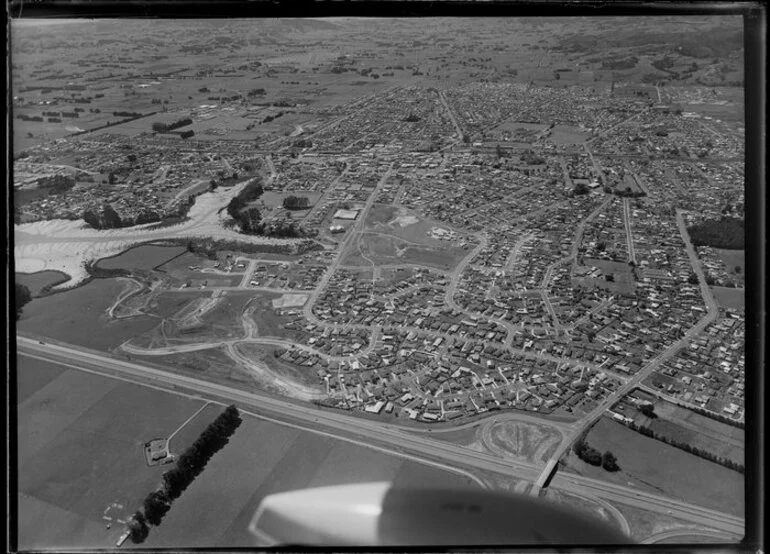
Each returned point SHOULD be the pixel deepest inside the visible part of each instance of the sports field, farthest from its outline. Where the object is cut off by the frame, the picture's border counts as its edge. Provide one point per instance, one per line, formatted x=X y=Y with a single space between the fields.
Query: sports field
x=81 y=451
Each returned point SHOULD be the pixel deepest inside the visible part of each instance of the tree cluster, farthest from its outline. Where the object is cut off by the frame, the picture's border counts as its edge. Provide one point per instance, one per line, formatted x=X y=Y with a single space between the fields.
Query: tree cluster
x=628 y=193
x=700 y=452
x=210 y=247
x=23 y=296
x=587 y=453
x=247 y=218
x=57 y=183
x=296 y=202
x=188 y=466
x=726 y=232
x=624 y=63
x=160 y=127
x=592 y=456
x=530 y=158
x=126 y=114
x=270 y=118
x=103 y=218
x=581 y=188
x=648 y=410
x=302 y=143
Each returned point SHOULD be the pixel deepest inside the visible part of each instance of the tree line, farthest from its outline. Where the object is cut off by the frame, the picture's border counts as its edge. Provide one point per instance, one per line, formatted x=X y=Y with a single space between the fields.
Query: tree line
x=687 y=447
x=160 y=127
x=188 y=466
x=210 y=248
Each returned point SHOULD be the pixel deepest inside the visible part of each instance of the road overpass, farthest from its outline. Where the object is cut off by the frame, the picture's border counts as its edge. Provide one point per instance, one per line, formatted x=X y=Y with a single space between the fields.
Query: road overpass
x=399 y=439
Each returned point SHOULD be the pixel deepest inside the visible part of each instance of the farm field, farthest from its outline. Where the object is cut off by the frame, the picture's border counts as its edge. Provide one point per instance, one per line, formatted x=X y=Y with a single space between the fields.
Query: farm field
x=69 y=478
x=657 y=467
x=733 y=259
x=728 y=297
x=264 y=458
x=80 y=442
x=686 y=426
x=143 y=257
x=78 y=316
x=36 y=281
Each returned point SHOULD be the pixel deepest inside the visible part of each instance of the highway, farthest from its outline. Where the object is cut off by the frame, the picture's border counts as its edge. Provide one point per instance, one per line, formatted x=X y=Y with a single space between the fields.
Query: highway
x=399 y=439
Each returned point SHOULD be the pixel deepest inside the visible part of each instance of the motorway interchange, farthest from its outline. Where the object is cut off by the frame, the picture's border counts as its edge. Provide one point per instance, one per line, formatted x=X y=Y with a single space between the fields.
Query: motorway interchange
x=398 y=439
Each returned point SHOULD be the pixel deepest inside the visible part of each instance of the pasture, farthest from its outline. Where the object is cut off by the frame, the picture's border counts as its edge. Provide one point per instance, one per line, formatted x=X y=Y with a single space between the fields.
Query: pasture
x=264 y=458
x=81 y=440
x=728 y=297
x=80 y=449
x=212 y=364
x=79 y=316
x=35 y=282
x=733 y=259
x=684 y=425
x=654 y=466
x=143 y=257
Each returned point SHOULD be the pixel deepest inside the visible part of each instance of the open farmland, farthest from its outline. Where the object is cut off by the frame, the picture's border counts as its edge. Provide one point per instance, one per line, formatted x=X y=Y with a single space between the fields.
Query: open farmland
x=81 y=316
x=80 y=446
x=683 y=425
x=265 y=458
x=657 y=467
x=35 y=282
x=143 y=257
x=69 y=479
x=733 y=259
x=728 y=297
x=212 y=364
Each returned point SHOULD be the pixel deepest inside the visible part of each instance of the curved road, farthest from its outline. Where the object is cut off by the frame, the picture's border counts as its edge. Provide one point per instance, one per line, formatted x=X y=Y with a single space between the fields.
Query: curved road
x=376 y=432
